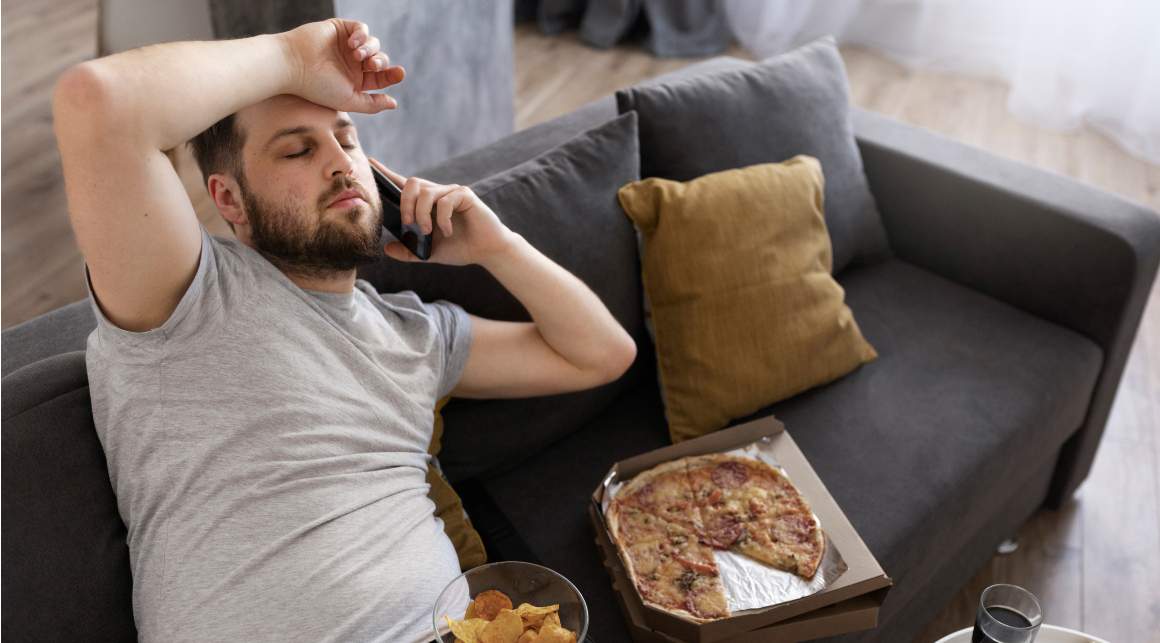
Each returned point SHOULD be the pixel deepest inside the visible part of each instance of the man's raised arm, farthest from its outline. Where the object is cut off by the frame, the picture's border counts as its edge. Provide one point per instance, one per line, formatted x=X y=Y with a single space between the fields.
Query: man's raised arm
x=114 y=117
x=163 y=95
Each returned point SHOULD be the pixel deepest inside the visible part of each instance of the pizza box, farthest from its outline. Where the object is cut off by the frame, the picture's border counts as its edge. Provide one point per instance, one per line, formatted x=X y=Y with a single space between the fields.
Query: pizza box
x=853 y=615
x=848 y=604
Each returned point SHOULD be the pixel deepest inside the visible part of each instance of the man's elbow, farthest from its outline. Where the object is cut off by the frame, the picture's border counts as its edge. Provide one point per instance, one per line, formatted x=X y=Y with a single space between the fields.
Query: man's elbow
x=77 y=90
x=620 y=359
x=83 y=100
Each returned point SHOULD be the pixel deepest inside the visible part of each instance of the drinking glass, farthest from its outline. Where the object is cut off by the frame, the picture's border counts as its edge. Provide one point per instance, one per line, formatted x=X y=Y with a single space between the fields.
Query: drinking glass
x=1007 y=614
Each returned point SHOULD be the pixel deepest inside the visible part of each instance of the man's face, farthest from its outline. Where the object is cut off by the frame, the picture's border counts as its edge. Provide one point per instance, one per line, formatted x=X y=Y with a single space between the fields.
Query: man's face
x=299 y=158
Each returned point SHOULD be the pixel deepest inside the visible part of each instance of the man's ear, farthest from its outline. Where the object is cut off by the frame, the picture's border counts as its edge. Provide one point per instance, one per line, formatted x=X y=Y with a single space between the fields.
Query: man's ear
x=227 y=196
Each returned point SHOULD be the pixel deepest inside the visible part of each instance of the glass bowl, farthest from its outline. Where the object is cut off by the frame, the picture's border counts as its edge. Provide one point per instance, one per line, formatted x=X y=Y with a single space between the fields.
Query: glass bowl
x=523 y=583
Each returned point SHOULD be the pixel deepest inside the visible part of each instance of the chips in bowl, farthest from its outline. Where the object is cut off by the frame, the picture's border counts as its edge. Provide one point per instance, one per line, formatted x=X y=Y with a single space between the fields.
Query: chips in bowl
x=490 y=618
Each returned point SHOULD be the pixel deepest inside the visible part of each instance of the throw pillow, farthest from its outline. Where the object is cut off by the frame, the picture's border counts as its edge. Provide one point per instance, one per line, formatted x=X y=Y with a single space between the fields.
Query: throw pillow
x=789 y=104
x=736 y=267
x=449 y=507
x=564 y=203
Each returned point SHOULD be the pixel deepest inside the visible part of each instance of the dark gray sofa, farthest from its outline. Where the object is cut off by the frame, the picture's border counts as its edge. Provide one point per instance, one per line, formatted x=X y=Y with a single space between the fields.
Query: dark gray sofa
x=1003 y=320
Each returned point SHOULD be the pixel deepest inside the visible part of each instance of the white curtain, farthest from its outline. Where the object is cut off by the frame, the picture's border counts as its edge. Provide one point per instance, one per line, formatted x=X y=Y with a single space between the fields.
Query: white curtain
x=1068 y=62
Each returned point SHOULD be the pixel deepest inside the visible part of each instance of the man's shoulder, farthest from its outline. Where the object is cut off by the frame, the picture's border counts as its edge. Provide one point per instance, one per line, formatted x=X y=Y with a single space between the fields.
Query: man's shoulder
x=235 y=259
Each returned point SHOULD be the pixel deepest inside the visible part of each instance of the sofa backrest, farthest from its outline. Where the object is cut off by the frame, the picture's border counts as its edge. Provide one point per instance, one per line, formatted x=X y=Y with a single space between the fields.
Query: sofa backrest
x=63 y=330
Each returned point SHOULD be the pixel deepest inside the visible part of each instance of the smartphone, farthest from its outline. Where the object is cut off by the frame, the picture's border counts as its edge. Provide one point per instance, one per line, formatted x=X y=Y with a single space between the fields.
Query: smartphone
x=411 y=235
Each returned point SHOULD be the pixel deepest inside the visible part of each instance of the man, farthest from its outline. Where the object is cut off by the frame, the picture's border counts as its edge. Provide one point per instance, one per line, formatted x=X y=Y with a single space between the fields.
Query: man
x=266 y=415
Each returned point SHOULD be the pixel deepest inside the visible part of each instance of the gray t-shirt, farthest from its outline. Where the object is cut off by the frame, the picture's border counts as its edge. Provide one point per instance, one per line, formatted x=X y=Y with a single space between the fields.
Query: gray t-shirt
x=268 y=448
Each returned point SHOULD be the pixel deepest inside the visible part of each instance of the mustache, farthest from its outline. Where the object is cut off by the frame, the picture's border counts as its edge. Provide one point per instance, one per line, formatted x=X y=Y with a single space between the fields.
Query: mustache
x=340 y=186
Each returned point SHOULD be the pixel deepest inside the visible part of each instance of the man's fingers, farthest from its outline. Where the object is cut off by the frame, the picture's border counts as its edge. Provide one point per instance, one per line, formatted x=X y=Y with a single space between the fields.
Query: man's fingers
x=359 y=34
x=368 y=49
x=382 y=78
x=371 y=103
x=445 y=199
x=423 y=208
x=377 y=62
x=395 y=177
x=446 y=206
x=411 y=188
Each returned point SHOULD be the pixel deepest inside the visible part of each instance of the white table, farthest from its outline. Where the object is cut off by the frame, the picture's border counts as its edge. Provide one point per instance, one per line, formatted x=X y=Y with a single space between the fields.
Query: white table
x=1047 y=634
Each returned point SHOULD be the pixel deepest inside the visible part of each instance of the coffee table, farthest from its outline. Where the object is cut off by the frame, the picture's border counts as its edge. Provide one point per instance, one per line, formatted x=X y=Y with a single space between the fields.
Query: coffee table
x=1047 y=634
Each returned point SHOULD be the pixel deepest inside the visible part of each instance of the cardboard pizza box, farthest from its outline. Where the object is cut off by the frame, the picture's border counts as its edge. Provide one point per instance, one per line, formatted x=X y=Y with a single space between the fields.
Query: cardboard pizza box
x=849 y=604
x=853 y=615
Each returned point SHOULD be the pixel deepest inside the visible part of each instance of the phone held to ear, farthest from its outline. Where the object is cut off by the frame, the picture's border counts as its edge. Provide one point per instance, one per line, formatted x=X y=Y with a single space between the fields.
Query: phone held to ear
x=411 y=235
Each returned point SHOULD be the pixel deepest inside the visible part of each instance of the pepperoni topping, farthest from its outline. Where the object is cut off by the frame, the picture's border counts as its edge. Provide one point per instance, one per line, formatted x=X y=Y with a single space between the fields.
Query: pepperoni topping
x=724 y=532
x=643 y=497
x=729 y=475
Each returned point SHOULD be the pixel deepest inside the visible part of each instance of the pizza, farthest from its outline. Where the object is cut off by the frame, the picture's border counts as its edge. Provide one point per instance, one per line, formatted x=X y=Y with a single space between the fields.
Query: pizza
x=667 y=521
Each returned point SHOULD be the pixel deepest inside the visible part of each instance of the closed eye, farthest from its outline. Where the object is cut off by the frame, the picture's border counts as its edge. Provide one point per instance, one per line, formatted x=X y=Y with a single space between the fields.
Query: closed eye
x=307 y=150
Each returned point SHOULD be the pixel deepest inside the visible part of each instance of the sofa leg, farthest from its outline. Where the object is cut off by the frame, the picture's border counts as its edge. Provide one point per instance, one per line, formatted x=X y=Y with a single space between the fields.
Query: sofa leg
x=1008 y=546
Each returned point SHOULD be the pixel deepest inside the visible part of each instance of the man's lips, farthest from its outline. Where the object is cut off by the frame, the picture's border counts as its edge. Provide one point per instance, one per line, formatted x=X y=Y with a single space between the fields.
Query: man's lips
x=347 y=199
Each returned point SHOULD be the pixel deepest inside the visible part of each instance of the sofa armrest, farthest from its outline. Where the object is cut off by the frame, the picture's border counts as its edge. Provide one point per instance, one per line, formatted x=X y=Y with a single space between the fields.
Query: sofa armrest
x=1072 y=254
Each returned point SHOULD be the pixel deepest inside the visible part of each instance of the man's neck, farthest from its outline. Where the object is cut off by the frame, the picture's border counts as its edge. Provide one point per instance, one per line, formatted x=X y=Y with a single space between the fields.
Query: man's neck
x=342 y=285
x=335 y=281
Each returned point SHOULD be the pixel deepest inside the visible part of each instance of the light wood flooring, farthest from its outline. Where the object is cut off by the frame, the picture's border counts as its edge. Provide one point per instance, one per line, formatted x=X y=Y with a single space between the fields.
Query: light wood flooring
x=1094 y=564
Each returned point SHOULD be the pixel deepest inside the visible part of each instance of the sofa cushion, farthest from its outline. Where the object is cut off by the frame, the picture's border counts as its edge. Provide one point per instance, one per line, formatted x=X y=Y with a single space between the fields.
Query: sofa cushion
x=564 y=203
x=737 y=270
x=968 y=397
x=66 y=560
x=790 y=104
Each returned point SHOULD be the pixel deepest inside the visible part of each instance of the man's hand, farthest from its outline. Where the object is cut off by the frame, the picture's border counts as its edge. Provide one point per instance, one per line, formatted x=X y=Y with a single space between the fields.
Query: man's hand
x=466 y=231
x=336 y=62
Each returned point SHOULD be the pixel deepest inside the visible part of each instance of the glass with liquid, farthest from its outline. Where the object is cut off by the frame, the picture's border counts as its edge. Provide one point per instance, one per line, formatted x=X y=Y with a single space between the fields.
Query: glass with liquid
x=1007 y=614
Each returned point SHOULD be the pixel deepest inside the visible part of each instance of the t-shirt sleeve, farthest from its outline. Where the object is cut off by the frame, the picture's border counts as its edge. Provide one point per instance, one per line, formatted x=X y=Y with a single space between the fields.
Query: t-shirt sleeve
x=194 y=310
x=455 y=333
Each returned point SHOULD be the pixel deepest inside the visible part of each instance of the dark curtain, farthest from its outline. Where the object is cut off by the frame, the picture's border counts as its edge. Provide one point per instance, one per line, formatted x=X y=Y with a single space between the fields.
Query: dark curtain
x=670 y=28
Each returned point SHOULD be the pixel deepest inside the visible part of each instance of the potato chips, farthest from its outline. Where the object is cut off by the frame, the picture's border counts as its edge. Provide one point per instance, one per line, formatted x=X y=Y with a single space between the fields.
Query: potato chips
x=491 y=619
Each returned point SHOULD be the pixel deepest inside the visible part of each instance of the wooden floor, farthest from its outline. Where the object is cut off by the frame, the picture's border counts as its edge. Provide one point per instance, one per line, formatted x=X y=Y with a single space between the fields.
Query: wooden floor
x=1094 y=564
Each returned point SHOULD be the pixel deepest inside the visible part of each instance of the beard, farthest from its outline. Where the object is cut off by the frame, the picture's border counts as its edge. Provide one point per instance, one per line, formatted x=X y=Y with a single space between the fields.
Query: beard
x=342 y=241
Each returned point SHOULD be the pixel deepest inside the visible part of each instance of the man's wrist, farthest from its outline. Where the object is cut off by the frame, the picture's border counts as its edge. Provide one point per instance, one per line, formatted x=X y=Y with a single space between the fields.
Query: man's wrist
x=293 y=61
x=506 y=254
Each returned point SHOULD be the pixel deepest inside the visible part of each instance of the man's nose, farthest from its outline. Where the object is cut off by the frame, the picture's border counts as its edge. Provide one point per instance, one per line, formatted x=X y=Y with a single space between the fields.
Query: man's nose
x=340 y=162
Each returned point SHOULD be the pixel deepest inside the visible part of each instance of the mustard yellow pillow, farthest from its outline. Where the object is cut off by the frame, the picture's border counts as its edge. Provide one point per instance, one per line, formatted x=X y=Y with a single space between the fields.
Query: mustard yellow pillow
x=449 y=507
x=736 y=267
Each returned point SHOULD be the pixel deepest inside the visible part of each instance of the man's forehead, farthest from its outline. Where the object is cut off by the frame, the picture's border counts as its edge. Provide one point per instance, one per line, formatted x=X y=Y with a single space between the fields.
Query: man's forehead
x=279 y=113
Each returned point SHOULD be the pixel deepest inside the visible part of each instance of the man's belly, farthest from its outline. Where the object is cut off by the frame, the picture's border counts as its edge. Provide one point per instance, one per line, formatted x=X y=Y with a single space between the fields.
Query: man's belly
x=371 y=573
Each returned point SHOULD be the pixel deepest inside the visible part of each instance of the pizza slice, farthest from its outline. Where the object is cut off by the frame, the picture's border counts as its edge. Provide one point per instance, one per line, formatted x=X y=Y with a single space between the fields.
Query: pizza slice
x=789 y=541
x=750 y=507
x=666 y=582
x=671 y=569
x=663 y=491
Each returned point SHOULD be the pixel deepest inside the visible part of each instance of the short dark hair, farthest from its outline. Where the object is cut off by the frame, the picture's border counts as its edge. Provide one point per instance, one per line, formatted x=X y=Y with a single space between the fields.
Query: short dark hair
x=218 y=150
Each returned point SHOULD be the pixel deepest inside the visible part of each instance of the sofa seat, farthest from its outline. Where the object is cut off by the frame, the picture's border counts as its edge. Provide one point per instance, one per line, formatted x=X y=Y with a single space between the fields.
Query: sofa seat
x=987 y=378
